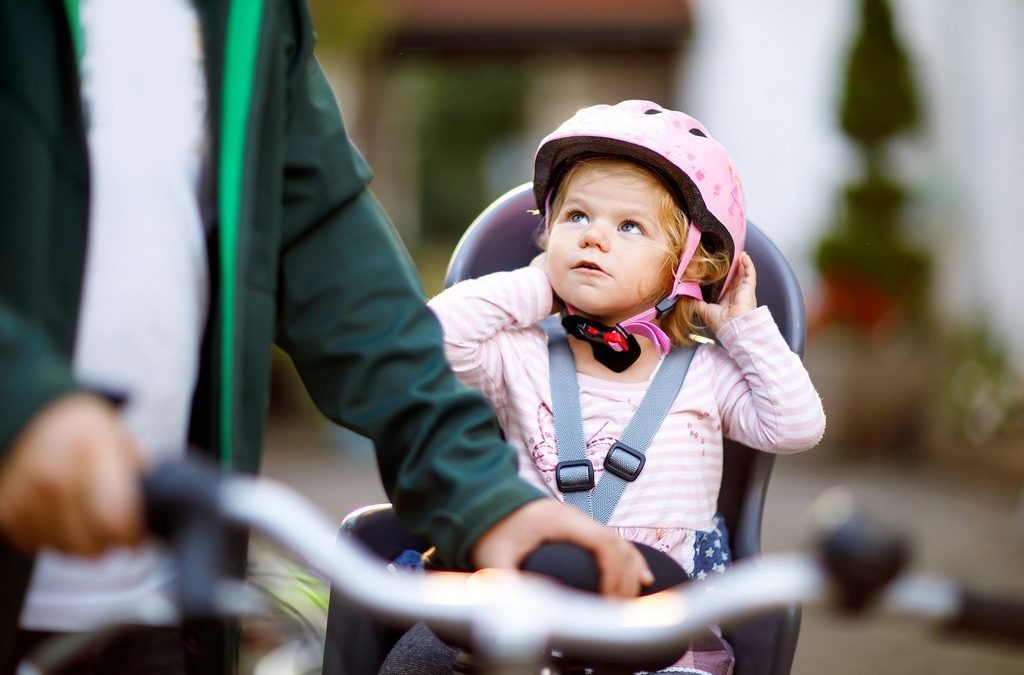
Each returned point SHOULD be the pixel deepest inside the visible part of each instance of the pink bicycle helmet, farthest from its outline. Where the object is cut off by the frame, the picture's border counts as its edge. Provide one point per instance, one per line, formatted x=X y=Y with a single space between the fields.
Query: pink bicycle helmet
x=679 y=149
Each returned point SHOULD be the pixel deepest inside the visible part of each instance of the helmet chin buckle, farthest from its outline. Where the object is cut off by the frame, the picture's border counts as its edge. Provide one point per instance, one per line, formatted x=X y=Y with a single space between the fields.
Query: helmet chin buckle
x=613 y=347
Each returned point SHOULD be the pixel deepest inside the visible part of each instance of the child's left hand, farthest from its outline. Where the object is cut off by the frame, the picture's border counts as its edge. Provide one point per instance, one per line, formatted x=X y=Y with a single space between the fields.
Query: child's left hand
x=738 y=298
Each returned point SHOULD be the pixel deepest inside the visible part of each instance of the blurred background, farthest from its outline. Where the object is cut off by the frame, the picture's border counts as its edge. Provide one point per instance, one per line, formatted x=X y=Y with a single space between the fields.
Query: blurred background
x=879 y=143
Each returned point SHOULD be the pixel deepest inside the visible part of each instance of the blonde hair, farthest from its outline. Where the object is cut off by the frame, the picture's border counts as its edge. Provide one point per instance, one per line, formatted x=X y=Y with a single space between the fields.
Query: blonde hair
x=680 y=322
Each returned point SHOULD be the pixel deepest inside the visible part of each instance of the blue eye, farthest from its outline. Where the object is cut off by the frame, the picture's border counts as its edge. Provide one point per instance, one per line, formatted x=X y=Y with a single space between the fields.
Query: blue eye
x=629 y=227
x=578 y=217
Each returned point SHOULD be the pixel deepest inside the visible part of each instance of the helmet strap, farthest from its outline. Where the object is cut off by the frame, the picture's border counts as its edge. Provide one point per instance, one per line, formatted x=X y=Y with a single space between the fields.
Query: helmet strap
x=613 y=347
x=642 y=323
x=679 y=286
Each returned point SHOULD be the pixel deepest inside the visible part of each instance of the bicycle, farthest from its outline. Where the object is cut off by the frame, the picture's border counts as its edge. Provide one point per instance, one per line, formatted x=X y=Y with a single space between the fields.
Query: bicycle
x=513 y=621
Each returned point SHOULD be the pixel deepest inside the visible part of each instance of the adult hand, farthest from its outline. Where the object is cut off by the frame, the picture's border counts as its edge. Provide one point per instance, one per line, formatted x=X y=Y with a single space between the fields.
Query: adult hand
x=70 y=480
x=623 y=569
x=739 y=297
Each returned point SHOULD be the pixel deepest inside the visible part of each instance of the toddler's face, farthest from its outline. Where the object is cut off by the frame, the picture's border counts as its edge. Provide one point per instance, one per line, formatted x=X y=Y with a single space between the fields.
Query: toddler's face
x=607 y=253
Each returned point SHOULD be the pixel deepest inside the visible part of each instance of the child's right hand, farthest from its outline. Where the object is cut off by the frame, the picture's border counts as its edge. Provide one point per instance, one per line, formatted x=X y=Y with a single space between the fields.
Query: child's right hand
x=540 y=262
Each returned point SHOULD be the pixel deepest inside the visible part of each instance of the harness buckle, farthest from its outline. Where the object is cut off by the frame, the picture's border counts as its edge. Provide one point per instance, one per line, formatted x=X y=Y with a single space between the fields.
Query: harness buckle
x=574 y=476
x=624 y=462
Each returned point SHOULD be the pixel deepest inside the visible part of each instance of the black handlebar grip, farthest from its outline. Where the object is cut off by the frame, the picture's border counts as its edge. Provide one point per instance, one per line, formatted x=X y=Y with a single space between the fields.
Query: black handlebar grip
x=993 y=616
x=181 y=504
x=175 y=491
x=577 y=568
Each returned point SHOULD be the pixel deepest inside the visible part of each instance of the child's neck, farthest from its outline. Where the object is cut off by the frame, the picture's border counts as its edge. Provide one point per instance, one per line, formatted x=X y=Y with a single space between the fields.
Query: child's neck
x=640 y=371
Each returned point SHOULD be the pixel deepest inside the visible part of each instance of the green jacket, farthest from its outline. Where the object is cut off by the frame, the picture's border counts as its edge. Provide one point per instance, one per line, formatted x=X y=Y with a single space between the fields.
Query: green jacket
x=301 y=255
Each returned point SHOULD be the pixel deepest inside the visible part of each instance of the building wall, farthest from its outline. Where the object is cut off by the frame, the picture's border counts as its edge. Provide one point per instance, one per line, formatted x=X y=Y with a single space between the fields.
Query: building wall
x=765 y=78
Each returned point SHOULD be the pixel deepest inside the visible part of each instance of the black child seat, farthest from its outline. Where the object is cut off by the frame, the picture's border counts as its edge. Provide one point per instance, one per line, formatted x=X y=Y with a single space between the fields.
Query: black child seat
x=502 y=238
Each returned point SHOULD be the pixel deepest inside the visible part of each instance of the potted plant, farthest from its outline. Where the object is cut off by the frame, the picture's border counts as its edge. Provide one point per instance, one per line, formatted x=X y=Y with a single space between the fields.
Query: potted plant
x=874 y=276
x=868 y=351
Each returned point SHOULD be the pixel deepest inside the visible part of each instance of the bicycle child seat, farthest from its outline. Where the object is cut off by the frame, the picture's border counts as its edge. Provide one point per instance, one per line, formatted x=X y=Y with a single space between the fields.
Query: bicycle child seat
x=502 y=238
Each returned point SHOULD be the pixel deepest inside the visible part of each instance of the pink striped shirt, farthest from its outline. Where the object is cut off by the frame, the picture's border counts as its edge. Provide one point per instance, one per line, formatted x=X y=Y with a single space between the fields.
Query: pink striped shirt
x=749 y=387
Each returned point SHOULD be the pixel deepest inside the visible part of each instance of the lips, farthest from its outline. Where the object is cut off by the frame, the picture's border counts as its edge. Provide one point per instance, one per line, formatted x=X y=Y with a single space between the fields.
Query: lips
x=588 y=265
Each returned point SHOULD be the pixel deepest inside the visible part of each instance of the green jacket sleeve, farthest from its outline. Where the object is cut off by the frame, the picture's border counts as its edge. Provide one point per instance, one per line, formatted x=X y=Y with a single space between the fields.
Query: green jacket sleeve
x=352 y=316
x=34 y=373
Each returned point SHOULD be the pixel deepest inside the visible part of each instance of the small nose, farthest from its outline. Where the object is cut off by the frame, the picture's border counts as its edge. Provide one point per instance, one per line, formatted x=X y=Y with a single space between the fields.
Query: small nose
x=594 y=235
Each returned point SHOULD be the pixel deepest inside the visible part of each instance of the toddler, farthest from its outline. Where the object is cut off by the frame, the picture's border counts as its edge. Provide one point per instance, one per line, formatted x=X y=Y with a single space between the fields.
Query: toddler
x=644 y=227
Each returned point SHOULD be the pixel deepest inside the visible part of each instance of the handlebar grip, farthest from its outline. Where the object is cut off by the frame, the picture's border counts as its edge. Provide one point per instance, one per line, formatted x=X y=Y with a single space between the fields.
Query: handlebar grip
x=996 y=616
x=174 y=492
x=576 y=567
x=181 y=504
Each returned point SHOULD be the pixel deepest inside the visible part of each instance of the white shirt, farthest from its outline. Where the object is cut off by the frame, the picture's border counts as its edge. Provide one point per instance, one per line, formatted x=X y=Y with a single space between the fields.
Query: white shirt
x=146 y=287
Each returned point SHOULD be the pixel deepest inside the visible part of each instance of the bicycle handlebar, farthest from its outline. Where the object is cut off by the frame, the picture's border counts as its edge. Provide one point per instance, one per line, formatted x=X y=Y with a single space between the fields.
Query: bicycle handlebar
x=504 y=612
x=514 y=618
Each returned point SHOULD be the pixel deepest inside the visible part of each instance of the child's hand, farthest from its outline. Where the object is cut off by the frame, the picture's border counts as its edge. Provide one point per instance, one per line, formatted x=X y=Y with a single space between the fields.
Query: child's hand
x=540 y=262
x=739 y=297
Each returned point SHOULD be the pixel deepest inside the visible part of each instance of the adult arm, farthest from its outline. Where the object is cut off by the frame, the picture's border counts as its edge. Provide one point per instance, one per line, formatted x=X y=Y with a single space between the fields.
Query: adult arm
x=353 y=318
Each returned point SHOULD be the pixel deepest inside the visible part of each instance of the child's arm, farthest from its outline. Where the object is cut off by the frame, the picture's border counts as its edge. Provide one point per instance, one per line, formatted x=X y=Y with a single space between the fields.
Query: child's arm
x=483 y=319
x=765 y=395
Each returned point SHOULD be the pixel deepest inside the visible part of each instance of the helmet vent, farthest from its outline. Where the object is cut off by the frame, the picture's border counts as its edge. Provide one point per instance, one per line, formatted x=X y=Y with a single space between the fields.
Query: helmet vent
x=698 y=132
x=653 y=111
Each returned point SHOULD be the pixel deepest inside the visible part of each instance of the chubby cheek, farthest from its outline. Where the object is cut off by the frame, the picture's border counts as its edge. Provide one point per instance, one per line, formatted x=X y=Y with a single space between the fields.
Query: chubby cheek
x=652 y=288
x=639 y=293
x=555 y=263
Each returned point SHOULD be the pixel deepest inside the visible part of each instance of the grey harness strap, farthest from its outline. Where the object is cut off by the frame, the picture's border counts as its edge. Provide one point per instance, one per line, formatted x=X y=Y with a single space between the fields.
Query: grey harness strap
x=574 y=474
